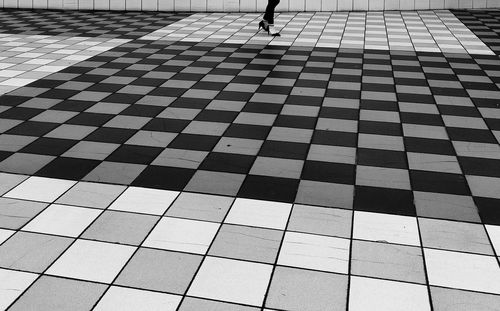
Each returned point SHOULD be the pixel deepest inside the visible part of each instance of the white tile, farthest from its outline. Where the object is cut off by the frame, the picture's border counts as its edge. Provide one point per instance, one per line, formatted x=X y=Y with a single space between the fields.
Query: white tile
x=463 y=271
x=13 y=284
x=62 y=220
x=128 y=299
x=232 y=281
x=40 y=189
x=144 y=200
x=386 y=228
x=382 y=295
x=92 y=261
x=182 y=235
x=315 y=252
x=494 y=233
x=259 y=213
x=5 y=234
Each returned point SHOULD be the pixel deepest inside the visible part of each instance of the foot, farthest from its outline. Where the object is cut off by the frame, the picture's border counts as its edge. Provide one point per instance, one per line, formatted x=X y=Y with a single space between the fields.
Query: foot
x=264 y=25
x=272 y=31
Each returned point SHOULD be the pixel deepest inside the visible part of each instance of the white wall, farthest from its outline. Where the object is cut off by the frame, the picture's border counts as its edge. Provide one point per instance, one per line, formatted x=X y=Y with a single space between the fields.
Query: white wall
x=248 y=5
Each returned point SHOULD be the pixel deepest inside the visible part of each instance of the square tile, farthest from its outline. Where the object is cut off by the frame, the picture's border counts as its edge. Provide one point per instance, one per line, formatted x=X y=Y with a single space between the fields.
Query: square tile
x=365 y=294
x=128 y=299
x=9 y=181
x=195 y=304
x=13 y=285
x=40 y=189
x=494 y=234
x=387 y=261
x=247 y=243
x=462 y=271
x=461 y=300
x=297 y=289
x=321 y=220
x=5 y=234
x=382 y=177
x=315 y=252
x=200 y=206
x=325 y=194
x=16 y=213
x=446 y=206
x=65 y=294
x=276 y=167
x=232 y=281
x=62 y=220
x=387 y=228
x=454 y=236
x=266 y=214
x=32 y=252
x=182 y=235
x=160 y=270
x=92 y=261
x=96 y=195
x=114 y=172
x=144 y=200
x=121 y=227
x=215 y=183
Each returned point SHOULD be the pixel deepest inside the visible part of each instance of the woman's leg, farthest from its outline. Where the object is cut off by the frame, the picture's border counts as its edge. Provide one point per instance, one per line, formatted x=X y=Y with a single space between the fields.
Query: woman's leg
x=269 y=16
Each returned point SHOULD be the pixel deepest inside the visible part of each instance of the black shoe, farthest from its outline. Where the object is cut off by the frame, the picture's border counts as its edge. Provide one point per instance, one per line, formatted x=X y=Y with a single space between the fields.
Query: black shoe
x=263 y=26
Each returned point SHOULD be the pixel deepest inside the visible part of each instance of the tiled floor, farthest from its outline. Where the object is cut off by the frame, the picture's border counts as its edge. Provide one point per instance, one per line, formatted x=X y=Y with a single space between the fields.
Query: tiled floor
x=184 y=162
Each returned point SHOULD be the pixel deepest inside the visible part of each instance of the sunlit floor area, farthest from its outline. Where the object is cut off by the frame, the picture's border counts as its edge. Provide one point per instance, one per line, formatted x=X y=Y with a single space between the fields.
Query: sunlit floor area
x=161 y=161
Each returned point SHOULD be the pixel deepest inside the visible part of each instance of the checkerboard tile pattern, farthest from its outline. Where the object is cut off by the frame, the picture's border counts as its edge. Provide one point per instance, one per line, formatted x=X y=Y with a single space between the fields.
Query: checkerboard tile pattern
x=430 y=31
x=197 y=251
x=484 y=24
x=102 y=24
x=337 y=166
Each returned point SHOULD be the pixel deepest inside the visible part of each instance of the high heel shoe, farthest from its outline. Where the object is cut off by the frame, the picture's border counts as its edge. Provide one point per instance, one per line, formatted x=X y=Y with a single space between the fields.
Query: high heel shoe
x=263 y=25
x=272 y=31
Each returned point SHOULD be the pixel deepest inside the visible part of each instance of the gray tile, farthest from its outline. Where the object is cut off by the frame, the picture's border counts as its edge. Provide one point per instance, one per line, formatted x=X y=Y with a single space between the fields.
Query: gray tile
x=110 y=108
x=136 y=89
x=179 y=113
x=321 y=220
x=215 y=183
x=69 y=131
x=200 y=206
x=160 y=270
x=303 y=290
x=447 y=299
x=456 y=236
x=277 y=167
x=25 y=163
x=16 y=213
x=57 y=294
x=9 y=181
x=246 y=243
x=388 y=261
x=127 y=122
x=206 y=128
x=14 y=143
x=7 y=124
x=289 y=134
x=40 y=103
x=452 y=207
x=180 y=158
x=325 y=194
x=54 y=116
x=197 y=304
x=91 y=150
x=121 y=227
x=115 y=173
x=91 y=195
x=151 y=138
x=90 y=96
x=31 y=251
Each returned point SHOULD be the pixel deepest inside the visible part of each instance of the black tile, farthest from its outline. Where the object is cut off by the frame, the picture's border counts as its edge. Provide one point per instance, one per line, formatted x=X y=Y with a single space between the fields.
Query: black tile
x=438 y=182
x=489 y=210
x=32 y=128
x=166 y=125
x=20 y=113
x=286 y=150
x=12 y=100
x=329 y=172
x=227 y=162
x=73 y=105
x=134 y=154
x=110 y=135
x=428 y=145
x=142 y=110
x=68 y=168
x=334 y=138
x=90 y=119
x=216 y=116
x=480 y=166
x=295 y=122
x=49 y=146
x=380 y=128
x=339 y=113
x=421 y=118
x=269 y=188
x=262 y=108
x=247 y=131
x=190 y=103
x=384 y=200
x=381 y=158
x=471 y=135
x=162 y=177
x=194 y=142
